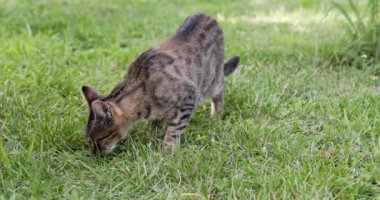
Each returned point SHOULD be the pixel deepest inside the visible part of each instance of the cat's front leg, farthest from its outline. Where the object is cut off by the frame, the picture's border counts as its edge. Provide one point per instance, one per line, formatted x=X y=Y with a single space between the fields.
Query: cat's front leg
x=177 y=126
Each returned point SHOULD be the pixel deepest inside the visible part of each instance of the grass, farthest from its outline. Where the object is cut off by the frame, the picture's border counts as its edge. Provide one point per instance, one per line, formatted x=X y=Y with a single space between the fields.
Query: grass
x=363 y=25
x=296 y=126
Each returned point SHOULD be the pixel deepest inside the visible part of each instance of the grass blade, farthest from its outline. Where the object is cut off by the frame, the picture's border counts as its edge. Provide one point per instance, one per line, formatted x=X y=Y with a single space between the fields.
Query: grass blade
x=3 y=155
x=377 y=54
x=31 y=146
x=347 y=16
x=355 y=8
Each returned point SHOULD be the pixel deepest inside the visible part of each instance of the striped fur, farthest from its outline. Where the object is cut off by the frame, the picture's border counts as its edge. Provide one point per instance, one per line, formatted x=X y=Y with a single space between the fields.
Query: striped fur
x=163 y=84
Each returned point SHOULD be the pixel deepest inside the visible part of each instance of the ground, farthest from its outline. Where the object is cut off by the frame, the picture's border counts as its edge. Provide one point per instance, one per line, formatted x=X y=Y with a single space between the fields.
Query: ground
x=295 y=125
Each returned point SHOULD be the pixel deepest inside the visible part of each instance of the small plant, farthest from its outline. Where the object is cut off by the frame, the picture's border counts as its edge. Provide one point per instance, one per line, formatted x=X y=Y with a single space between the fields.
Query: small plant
x=364 y=33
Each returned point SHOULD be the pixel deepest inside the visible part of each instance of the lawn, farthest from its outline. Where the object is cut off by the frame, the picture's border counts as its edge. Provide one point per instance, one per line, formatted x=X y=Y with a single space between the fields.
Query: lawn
x=296 y=125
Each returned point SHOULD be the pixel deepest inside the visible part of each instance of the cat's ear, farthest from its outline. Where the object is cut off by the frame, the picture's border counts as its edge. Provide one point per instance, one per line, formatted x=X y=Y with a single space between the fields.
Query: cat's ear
x=101 y=109
x=91 y=94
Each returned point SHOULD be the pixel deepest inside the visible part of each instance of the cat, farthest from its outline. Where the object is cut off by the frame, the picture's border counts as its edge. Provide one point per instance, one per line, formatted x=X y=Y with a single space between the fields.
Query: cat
x=163 y=84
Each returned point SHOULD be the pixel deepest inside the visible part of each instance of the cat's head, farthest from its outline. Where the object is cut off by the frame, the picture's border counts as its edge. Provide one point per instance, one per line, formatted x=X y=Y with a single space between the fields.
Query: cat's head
x=106 y=124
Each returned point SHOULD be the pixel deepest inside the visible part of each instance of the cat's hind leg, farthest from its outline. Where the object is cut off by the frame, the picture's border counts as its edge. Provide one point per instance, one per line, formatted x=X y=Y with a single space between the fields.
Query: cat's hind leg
x=217 y=104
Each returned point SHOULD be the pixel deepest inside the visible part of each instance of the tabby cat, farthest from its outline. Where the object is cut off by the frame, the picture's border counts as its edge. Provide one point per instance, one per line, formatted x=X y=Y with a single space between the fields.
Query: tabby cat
x=163 y=84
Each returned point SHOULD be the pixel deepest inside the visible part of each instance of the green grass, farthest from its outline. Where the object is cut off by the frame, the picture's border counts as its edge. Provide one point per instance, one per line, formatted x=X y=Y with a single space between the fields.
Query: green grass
x=363 y=25
x=296 y=126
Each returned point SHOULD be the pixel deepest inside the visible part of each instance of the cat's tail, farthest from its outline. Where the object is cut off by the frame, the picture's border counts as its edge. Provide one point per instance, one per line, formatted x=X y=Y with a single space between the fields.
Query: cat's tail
x=231 y=65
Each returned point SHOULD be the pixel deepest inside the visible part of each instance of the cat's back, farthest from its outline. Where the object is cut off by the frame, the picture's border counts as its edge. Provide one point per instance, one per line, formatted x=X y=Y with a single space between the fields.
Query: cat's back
x=189 y=62
x=197 y=28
